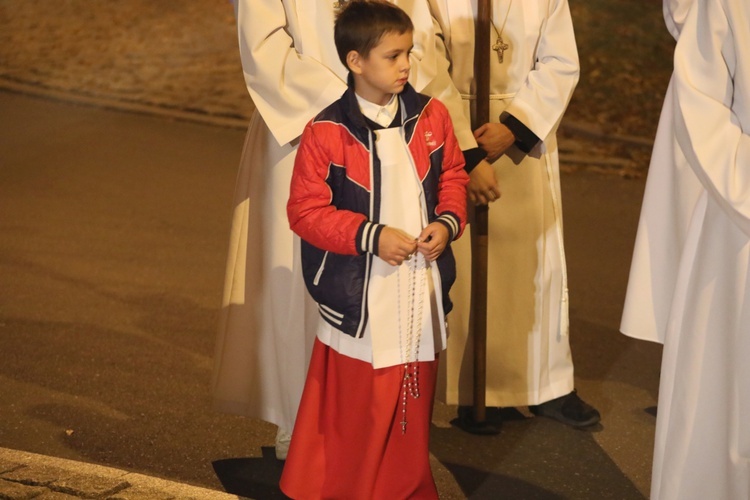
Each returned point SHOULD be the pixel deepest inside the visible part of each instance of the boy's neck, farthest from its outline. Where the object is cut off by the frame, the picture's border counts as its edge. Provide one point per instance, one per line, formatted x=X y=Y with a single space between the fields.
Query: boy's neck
x=367 y=91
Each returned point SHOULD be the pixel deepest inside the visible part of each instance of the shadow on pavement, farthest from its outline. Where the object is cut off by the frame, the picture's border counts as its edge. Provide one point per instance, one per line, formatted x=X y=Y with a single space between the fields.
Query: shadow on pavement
x=252 y=477
x=531 y=458
x=479 y=485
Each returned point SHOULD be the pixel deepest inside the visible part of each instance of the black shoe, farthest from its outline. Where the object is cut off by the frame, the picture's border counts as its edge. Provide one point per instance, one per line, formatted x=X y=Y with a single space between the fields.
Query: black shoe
x=569 y=409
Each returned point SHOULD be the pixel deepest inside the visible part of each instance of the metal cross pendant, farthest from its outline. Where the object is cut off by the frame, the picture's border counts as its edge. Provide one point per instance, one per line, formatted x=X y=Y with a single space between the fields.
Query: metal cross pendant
x=500 y=47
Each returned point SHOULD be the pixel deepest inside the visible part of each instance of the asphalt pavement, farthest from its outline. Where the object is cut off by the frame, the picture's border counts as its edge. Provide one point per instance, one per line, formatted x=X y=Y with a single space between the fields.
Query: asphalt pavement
x=108 y=295
x=115 y=225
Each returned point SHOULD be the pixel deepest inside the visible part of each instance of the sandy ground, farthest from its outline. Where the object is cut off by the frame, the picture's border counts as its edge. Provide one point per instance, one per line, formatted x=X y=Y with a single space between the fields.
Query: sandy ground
x=177 y=55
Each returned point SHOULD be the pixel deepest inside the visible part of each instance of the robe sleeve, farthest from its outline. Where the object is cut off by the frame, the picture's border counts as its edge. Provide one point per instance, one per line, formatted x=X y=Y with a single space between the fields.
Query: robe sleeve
x=542 y=99
x=287 y=87
x=707 y=86
x=675 y=12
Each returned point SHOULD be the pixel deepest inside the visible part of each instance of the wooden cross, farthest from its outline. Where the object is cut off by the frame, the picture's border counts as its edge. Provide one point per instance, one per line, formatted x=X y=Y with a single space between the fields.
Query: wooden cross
x=500 y=47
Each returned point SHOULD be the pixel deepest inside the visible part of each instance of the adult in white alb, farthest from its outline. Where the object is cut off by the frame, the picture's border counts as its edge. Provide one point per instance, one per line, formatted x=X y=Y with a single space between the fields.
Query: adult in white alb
x=702 y=446
x=292 y=72
x=533 y=73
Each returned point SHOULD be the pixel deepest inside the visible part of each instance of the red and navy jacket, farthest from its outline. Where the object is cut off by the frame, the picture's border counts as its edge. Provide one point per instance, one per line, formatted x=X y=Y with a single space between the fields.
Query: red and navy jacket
x=334 y=203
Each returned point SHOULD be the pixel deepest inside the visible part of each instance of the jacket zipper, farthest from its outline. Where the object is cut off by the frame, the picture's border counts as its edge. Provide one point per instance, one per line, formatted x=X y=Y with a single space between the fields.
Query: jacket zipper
x=320 y=269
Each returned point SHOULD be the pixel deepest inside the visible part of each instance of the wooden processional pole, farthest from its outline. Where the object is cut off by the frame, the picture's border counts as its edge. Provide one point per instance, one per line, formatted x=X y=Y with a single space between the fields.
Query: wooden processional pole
x=479 y=231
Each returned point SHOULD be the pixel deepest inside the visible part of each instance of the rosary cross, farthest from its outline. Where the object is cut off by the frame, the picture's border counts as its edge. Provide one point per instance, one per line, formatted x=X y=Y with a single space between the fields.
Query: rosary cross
x=500 y=47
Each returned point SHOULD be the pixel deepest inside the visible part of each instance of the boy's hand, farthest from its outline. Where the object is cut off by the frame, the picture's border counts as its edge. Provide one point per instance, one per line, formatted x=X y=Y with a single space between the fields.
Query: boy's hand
x=495 y=139
x=433 y=240
x=395 y=246
x=483 y=187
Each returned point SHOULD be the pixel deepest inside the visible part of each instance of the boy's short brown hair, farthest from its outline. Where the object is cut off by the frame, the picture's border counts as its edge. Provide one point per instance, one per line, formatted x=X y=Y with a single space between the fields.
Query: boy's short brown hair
x=362 y=23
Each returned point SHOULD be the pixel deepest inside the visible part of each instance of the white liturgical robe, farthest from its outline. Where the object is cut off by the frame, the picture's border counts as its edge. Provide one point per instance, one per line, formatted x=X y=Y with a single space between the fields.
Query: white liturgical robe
x=528 y=353
x=702 y=445
x=671 y=193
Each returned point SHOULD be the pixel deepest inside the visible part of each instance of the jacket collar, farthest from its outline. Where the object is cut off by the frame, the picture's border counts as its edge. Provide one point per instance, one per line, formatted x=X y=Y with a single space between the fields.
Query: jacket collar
x=410 y=102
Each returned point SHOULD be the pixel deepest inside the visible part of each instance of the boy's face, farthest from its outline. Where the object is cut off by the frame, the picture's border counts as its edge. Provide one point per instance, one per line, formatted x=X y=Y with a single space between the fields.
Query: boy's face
x=385 y=70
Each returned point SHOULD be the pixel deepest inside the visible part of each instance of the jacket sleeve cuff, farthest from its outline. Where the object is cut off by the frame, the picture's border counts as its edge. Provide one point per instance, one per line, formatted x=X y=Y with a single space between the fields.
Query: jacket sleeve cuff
x=368 y=237
x=525 y=138
x=472 y=157
x=452 y=222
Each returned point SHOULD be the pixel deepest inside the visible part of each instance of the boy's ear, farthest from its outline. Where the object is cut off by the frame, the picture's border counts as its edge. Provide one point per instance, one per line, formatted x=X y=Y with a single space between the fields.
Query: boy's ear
x=354 y=62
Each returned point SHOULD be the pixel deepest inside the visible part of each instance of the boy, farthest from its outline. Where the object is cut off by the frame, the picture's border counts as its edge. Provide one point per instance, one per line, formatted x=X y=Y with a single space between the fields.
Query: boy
x=378 y=192
x=267 y=319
